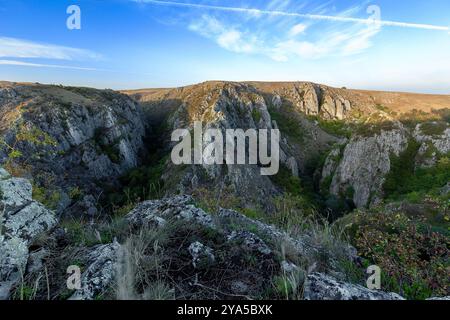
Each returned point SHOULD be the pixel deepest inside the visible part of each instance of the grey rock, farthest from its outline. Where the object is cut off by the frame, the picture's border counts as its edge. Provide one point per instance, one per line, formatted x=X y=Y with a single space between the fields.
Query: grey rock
x=289 y=267
x=365 y=163
x=277 y=101
x=16 y=193
x=159 y=211
x=202 y=256
x=440 y=141
x=239 y=287
x=13 y=261
x=4 y=174
x=251 y=241
x=446 y=189
x=100 y=273
x=96 y=134
x=30 y=222
x=439 y=298
x=267 y=231
x=35 y=260
x=319 y=286
x=22 y=220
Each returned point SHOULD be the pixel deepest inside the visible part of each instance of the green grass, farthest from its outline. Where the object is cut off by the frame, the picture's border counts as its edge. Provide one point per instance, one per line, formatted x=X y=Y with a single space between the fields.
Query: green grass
x=289 y=125
x=434 y=128
x=339 y=128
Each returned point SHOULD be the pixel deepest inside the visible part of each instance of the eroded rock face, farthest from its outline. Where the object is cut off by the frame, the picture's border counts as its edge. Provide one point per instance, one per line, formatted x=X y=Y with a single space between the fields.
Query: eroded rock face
x=364 y=164
x=21 y=222
x=323 y=287
x=72 y=135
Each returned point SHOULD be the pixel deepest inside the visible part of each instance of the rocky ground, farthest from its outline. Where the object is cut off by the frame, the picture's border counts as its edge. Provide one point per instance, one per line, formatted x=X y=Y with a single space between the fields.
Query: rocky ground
x=86 y=181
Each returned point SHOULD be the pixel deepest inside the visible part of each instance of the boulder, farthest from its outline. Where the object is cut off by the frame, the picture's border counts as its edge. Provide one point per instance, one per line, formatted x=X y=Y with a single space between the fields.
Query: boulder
x=22 y=220
x=319 y=286
x=100 y=272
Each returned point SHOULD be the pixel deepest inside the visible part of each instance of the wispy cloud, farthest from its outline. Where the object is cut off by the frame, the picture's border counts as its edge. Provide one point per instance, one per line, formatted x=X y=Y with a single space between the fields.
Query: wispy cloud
x=339 y=18
x=298 y=29
x=227 y=37
x=20 y=48
x=7 y=62
x=43 y=65
x=288 y=41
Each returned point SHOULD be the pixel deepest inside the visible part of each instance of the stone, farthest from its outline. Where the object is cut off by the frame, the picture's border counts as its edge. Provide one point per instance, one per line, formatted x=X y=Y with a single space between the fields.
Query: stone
x=100 y=272
x=319 y=286
x=202 y=256
x=365 y=163
x=16 y=193
x=30 y=222
x=22 y=220
x=251 y=241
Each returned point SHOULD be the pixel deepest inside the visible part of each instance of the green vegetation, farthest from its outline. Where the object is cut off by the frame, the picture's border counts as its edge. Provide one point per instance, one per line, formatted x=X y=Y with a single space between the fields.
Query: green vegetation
x=404 y=180
x=288 y=125
x=49 y=198
x=75 y=193
x=339 y=128
x=84 y=233
x=370 y=129
x=413 y=258
x=434 y=128
x=382 y=108
x=111 y=150
x=141 y=183
x=285 y=180
x=256 y=114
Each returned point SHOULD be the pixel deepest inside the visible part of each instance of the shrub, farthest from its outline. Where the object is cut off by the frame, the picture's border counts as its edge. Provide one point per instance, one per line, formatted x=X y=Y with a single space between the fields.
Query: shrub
x=256 y=114
x=289 y=125
x=413 y=258
x=404 y=181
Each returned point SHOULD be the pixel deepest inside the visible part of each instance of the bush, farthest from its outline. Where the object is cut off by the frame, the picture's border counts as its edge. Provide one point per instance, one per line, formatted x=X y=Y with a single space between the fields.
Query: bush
x=289 y=125
x=404 y=181
x=413 y=258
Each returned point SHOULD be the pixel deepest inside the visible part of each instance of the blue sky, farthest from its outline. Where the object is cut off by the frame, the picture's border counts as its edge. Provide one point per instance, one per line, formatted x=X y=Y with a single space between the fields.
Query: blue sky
x=125 y=44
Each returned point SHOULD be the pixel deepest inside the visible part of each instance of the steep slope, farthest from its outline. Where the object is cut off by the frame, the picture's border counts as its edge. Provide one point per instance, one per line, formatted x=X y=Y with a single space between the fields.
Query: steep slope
x=70 y=141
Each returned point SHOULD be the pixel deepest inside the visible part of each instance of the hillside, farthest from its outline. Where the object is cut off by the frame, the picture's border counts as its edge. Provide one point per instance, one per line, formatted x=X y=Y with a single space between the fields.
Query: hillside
x=87 y=180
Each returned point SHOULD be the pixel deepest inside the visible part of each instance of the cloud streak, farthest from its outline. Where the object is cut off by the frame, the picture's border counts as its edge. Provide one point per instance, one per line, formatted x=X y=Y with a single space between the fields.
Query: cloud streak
x=19 y=48
x=42 y=65
x=257 y=12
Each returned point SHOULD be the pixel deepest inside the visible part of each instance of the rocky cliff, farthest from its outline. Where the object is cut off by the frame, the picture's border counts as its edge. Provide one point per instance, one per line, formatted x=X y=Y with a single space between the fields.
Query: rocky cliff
x=69 y=141
x=87 y=181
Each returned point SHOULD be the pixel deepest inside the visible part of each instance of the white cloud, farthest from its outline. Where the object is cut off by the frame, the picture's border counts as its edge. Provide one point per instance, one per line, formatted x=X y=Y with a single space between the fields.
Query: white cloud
x=40 y=65
x=19 y=48
x=227 y=37
x=297 y=29
x=360 y=41
x=336 y=18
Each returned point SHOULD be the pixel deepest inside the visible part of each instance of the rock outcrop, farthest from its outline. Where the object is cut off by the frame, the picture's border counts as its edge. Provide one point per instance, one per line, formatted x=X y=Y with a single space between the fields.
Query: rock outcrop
x=323 y=287
x=360 y=173
x=100 y=273
x=73 y=136
x=22 y=220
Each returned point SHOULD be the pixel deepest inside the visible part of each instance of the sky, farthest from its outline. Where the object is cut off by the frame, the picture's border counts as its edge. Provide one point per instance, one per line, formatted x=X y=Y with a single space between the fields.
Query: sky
x=131 y=44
